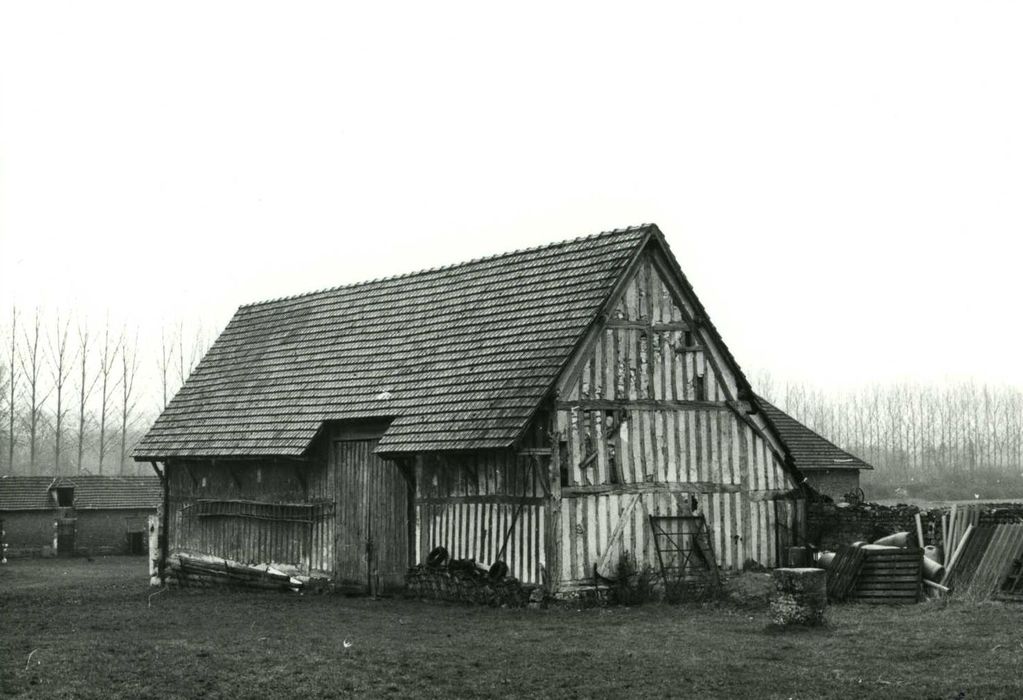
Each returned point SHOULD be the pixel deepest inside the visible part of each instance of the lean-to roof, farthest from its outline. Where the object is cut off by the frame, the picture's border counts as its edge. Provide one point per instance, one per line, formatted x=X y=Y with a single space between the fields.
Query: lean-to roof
x=810 y=450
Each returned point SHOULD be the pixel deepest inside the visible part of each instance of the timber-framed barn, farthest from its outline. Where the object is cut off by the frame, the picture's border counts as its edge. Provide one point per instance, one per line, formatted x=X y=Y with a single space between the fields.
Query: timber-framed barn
x=535 y=406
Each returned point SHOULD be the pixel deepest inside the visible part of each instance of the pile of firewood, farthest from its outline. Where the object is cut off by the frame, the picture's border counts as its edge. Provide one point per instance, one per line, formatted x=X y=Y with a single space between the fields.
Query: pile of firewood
x=463 y=581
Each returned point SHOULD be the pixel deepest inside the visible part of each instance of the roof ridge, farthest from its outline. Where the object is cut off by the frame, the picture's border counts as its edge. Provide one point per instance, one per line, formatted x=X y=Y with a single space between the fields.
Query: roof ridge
x=452 y=266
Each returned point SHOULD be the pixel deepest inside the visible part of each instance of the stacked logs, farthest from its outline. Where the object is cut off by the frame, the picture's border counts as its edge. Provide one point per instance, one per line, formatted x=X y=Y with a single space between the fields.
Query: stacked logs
x=464 y=582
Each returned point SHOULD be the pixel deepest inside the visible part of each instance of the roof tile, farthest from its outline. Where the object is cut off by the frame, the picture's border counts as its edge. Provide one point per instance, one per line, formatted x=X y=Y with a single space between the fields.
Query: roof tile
x=465 y=353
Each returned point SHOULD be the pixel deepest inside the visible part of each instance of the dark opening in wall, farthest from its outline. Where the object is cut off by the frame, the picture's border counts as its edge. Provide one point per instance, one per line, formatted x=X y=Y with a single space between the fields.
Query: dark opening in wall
x=65 y=496
x=136 y=543
x=612 y=423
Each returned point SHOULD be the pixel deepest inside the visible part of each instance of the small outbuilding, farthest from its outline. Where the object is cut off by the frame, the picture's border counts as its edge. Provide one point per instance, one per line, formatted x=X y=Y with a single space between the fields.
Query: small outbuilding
x=534 y=408
x=828 y=468
x=68 y=515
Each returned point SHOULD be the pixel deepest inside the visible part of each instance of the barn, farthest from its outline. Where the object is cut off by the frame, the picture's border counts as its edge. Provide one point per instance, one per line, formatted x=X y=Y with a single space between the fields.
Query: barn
x=68 y=515
x=535 y=407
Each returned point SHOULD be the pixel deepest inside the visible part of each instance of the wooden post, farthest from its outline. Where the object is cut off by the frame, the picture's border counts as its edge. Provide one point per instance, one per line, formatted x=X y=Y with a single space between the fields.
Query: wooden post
x=955 y=555
x=553 y=528
x=155 y=554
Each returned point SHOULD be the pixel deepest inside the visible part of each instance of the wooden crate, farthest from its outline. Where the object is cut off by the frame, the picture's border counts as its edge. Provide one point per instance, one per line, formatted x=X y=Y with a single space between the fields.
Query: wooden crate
x=890 y=576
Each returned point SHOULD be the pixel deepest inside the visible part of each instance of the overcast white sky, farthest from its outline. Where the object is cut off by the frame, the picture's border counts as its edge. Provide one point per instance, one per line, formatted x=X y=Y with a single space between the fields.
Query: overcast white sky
x=842 y=183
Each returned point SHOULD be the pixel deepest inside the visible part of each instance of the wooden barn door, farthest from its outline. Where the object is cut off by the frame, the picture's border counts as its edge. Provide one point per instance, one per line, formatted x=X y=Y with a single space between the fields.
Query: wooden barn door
x=372 y=540
x=66 y=537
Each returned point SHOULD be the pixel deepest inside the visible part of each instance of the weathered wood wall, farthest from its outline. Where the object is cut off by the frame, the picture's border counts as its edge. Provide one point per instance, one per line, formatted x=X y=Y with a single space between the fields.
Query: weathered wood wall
x=648 y=408
x=372 y=517
x=251 y=531
x=472 y=504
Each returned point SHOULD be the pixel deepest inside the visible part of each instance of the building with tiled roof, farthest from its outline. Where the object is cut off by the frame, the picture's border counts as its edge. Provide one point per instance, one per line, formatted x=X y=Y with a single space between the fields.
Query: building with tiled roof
x=828 y=468
x=83 y=514
x=533 y=408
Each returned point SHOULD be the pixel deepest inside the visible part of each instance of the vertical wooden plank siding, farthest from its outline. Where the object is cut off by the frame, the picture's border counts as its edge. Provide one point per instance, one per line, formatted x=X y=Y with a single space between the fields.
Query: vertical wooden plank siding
x=475 y=505
x=251 y=540
x=647 y=415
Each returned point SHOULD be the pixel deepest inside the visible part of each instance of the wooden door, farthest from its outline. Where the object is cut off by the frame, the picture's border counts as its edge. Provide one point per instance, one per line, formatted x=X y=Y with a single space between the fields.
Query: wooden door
x=66 y=537
x=372 y=540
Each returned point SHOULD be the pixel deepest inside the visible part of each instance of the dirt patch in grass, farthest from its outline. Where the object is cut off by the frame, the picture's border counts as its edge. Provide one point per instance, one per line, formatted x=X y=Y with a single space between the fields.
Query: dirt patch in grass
x=80 y=629
x=750 y=589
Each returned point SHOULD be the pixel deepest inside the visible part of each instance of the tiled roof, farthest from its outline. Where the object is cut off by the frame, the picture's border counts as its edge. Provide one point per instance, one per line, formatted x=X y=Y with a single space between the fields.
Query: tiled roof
x=459 y=356
x=91 y=492
x=809 y=449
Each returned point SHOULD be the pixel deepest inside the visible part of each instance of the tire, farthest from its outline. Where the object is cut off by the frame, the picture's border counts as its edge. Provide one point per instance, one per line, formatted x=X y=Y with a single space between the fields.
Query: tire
x=498 y=570
x=437 y=557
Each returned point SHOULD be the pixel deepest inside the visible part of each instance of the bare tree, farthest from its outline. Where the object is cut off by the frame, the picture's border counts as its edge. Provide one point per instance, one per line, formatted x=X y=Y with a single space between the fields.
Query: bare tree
x=5 y=407
x=31 y=361
x=86 y=385
x=12 y=387
x=164 y=364
x=129 y=368
x=61 y=361
x=108 y=384
x=188 y=357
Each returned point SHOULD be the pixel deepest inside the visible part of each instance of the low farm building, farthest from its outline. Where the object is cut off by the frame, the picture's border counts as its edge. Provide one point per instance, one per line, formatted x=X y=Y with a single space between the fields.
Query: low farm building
x=67 y=515
x=828 y=468
x=534 y=407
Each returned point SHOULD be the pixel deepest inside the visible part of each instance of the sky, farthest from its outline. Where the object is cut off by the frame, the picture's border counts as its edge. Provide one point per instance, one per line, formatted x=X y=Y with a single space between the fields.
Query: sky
x=841 y=182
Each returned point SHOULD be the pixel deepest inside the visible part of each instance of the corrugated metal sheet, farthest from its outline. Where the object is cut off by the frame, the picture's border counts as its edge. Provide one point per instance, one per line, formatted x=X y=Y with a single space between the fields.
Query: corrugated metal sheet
x=1006 y=544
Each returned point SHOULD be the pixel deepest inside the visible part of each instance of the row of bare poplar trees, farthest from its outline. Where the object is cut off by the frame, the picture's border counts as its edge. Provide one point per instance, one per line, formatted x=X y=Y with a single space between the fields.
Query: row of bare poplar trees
x=75 y=398
x=912 y=432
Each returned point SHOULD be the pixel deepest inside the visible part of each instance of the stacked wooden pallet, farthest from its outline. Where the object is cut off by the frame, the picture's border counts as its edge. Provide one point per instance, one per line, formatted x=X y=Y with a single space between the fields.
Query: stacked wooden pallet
x=889 y=576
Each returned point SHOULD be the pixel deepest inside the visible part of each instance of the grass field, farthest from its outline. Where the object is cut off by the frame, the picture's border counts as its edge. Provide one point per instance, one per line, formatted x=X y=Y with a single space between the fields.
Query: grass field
x=73 y=628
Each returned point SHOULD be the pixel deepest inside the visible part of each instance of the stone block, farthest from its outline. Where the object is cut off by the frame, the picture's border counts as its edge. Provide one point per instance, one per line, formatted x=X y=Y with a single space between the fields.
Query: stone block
x=800 y=596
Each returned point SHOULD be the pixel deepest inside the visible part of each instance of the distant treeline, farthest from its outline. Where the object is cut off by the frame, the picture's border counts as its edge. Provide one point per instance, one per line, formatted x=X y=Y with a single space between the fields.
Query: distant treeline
x=957 y=440
x=76 y=395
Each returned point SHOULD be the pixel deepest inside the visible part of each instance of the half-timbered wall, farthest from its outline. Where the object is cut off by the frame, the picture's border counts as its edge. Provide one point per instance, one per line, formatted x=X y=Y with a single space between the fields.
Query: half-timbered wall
x=648 y=412
x=474 y=505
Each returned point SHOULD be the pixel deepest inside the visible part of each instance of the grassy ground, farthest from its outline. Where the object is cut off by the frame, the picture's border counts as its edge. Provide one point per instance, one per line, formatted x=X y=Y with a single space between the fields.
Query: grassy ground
x=73 y=628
